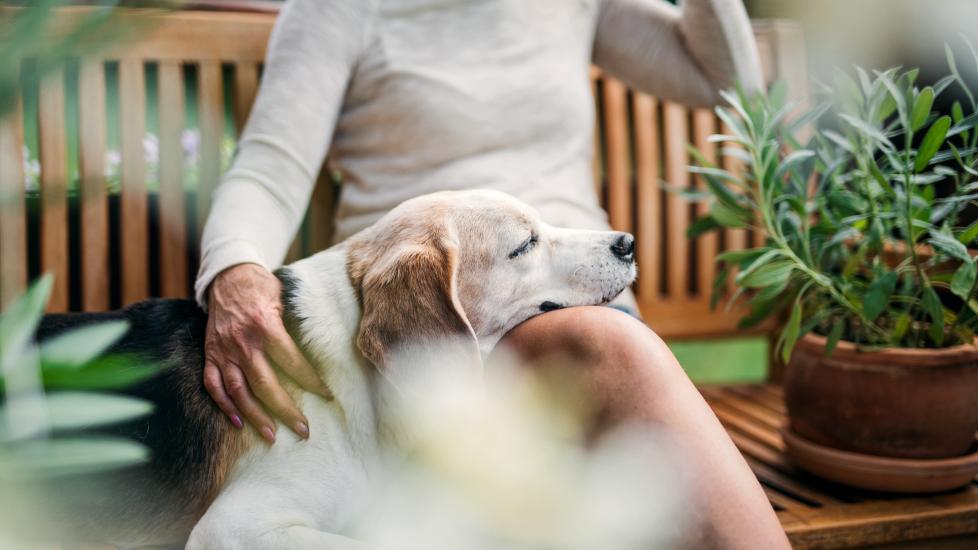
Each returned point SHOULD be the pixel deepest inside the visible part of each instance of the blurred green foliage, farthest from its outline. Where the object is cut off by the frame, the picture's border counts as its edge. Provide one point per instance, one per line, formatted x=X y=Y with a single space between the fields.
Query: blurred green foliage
x=39 y=383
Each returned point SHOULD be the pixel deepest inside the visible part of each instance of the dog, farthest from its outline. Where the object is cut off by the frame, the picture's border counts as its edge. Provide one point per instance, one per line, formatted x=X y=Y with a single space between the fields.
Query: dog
x=463 y=267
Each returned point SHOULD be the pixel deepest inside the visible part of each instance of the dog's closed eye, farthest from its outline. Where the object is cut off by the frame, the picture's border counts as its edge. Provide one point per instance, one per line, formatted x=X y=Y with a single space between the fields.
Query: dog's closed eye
x=525 y=247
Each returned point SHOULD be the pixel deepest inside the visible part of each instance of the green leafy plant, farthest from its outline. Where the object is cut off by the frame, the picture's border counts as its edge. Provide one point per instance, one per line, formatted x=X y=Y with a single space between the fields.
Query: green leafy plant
x=866 y=221
x=54 y=389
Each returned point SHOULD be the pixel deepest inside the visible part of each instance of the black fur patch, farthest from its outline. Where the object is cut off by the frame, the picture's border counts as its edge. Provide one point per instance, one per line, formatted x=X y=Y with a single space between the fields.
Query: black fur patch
x=290 y=297
x=186 y=434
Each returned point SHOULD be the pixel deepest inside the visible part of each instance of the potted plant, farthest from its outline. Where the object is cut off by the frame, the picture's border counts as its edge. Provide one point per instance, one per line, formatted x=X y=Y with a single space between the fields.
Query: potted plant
x=868 y=260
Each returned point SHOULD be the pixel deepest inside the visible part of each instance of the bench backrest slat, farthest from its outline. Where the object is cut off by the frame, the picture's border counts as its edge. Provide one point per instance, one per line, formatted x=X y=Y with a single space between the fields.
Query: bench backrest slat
x=185 y=73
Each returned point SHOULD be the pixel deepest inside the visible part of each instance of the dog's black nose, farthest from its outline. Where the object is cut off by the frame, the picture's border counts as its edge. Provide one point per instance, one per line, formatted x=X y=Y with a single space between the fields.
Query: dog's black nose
x=624 y=247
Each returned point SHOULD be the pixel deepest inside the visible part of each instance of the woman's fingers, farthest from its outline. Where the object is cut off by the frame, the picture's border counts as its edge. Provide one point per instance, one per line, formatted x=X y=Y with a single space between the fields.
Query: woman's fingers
x=237 y=387
x=264 y=383
x=214 y=384
x=286 y=355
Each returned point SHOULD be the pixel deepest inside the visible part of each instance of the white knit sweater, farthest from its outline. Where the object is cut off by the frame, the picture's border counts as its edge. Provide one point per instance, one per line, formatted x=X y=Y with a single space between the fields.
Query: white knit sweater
x=415 y=96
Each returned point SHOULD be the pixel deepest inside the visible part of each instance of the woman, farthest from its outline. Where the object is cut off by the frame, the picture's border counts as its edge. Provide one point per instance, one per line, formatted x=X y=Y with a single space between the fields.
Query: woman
x=414 y=96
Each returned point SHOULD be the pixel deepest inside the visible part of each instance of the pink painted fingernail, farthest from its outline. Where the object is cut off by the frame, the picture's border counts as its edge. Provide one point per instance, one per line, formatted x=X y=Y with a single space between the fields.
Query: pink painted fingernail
x=268 y=434
x=302 y=430
x=236 y=420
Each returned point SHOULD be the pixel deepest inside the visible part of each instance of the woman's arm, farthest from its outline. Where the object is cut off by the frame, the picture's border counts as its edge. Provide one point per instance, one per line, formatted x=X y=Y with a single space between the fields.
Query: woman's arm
x=262 y=199
x=682 y=54
x=259 y=205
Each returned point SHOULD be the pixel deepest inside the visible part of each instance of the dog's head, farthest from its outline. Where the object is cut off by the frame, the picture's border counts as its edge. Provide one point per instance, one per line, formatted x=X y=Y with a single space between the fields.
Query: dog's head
x=471 y=265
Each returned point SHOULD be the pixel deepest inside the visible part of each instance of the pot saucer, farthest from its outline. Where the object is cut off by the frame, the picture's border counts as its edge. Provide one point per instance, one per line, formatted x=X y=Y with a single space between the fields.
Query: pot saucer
x=878 y=473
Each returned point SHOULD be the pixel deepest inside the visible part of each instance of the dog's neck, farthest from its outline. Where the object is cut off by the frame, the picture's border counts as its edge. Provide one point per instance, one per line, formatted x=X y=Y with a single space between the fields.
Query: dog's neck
x=322 y=312
x=320 y=307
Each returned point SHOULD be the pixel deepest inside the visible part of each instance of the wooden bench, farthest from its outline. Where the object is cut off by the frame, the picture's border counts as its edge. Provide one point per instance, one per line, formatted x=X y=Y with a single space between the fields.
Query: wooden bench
x=108 y=247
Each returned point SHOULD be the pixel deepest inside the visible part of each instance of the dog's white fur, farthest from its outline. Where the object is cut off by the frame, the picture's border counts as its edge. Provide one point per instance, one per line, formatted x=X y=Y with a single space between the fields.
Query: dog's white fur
x=298 y=494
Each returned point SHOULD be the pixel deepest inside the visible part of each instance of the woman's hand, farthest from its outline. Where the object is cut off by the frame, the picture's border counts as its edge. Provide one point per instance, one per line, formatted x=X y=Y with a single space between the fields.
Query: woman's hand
x=245 y=337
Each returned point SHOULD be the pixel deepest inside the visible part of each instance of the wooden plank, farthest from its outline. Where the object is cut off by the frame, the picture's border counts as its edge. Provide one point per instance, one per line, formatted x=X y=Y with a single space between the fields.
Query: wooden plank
x=297 y=250
x=707 y=246
x=245 y=90
x=760 y=452
x=884 y=521
x=597 y=162
x=172 y=201
x=210 y=109
x=13 y=217
x=648 y=234
x=732 y=418
x=52 y=138
x=762 y=398
x=94 y=213
x=789 y=484
x=780 y=501
x=746 y=405
x=676 y=135
x=321 y=210
x=693 y=319
x=174 y=35
x=134 y=207
x=617 y=155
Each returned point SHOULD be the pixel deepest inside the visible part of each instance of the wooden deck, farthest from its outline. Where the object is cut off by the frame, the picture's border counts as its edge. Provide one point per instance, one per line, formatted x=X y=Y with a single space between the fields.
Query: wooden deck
x=819 y=514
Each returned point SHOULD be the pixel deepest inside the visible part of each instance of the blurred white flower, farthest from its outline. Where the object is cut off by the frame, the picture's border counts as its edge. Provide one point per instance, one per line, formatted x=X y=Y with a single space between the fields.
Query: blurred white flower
x=113 y=164
x=151 y=149
x=32 y=170
x=190 y=140
x=502 y=466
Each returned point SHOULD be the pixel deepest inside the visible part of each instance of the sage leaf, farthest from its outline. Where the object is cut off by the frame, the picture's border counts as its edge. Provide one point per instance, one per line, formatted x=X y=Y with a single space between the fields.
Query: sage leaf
x=771 y=274
x=964 y=280
x=833 y=338
x=791 y=332
x=921 y=108
x=878 y=295
x=932 y=142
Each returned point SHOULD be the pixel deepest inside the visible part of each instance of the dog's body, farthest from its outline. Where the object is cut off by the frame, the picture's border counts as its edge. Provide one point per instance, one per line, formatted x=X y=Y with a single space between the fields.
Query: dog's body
x=458 y=267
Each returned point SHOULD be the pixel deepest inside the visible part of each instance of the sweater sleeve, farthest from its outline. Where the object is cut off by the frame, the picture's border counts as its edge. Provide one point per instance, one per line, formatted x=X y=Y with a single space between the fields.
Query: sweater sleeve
x=682 y=54
x=262 y=198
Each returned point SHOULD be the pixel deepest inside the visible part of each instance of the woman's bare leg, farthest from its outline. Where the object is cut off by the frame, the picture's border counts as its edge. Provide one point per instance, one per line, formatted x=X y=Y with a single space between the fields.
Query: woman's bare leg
x=632 y=376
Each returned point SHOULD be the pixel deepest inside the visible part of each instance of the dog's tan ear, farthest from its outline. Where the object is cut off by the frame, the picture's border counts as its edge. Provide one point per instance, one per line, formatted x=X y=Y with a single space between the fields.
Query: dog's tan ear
x=411 y=310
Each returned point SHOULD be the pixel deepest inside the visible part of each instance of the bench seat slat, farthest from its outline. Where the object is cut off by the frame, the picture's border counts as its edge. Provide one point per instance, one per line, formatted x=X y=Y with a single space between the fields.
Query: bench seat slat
x=94 y=230
x=52 y=140
x=134 y=208
x=648 y=195
x=172 y=199
x=13 y=221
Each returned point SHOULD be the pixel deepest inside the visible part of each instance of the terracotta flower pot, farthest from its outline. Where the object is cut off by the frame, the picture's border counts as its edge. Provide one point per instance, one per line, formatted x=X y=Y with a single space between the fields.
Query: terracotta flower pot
x=904 y=403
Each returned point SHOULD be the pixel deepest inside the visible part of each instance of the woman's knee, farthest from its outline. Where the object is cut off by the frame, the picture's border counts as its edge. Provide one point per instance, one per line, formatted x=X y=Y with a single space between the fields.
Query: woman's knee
x=598 y=338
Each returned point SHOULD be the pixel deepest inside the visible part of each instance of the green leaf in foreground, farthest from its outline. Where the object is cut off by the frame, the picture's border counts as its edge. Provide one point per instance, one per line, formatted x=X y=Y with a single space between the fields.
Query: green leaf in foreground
x=58 y=457
x=76 y=410
x=19 y=322
x=82 y=345
x=104 y=373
